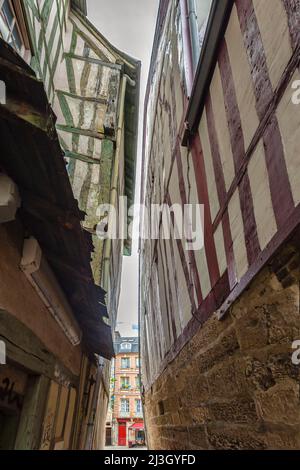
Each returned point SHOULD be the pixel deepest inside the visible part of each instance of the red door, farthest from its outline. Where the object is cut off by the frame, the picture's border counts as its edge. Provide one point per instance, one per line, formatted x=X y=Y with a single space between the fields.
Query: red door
x=122 y=435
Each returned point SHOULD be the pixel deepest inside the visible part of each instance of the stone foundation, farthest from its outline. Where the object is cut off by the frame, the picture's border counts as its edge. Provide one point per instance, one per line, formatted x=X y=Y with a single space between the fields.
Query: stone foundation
x=234 y=385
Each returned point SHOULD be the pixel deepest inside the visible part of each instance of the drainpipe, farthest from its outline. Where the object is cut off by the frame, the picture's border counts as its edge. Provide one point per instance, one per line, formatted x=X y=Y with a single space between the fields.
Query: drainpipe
x=115 y=176
x=194 y=33
x=187 y=46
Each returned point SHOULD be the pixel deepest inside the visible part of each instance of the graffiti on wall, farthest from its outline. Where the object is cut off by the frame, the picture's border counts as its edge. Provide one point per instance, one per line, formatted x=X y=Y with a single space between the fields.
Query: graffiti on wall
x=8 y=395
x=12 y=387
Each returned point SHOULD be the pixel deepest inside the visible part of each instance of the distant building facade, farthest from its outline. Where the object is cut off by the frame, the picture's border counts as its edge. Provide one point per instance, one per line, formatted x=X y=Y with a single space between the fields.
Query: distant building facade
x=126 y=403
x=77 y=158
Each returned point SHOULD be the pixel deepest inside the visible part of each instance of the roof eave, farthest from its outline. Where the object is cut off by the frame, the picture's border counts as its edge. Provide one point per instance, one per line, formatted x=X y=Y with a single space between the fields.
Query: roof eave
x=49 y=210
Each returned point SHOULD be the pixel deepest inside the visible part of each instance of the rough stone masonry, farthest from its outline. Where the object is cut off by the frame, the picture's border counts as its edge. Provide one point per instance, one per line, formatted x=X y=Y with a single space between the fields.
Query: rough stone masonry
x=234 y=385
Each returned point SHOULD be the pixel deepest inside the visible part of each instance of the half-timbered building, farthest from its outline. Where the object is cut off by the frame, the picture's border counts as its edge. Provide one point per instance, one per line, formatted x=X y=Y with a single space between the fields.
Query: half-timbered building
x=68 y=126
x=222 y=129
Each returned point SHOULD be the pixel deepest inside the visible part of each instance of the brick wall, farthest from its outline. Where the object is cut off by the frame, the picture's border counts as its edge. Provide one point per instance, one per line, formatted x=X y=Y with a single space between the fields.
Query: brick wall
x=234 y=385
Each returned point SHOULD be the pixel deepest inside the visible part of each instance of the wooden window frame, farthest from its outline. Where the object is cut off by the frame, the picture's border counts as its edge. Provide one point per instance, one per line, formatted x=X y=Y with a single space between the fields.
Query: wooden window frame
x=127 y=403
x=21 y=24
x=138 y=401
x=127 y=360
x=125 y=383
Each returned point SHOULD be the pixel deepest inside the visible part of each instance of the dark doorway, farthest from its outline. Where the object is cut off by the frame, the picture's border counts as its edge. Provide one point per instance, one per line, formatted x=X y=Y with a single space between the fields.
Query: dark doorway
x=108 y=441
x=8 y=429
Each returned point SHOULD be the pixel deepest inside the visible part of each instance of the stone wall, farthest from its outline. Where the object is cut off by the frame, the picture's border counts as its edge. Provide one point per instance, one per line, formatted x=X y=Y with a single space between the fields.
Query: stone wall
x=234 y=385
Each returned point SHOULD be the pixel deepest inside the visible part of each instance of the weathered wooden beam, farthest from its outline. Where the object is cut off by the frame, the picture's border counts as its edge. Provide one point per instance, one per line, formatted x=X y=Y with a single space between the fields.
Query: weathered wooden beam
x=83 y=98
x=82 y=158
x=23 y=347
x=28 y=113
x=20 y=83
x=79 y=274
x=30 y=426
x=76 y=130
x=49 y=212
x=22 y=115
x=94 y=61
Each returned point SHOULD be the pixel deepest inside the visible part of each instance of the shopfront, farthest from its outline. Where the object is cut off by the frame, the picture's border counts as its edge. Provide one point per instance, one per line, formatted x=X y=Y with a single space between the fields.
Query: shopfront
x=136 y=435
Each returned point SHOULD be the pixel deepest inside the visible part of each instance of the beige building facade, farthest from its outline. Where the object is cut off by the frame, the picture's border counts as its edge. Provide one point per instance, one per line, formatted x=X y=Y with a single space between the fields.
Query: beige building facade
x=127 y=412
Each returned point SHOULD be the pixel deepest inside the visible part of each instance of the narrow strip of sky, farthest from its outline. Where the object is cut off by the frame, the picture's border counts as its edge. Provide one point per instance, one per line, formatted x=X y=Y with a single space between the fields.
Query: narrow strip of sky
x=129 y=25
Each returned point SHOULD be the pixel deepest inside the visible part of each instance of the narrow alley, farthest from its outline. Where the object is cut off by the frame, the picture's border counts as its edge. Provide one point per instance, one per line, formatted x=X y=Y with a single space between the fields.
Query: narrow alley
x=150 y=225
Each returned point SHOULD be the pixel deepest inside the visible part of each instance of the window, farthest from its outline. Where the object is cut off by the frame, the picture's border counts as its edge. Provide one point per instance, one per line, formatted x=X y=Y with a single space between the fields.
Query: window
x=137 y=362
x=125 y=383
x=202 y=11
x=125 y=363
x=13 y=26
x=125 y=405
x=138 y=406
x=112 y=402
x=137 y=382
x=125 y=347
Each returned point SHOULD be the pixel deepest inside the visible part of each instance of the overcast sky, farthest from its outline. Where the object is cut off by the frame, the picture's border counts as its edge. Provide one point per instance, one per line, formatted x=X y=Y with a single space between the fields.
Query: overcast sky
x=129 y=25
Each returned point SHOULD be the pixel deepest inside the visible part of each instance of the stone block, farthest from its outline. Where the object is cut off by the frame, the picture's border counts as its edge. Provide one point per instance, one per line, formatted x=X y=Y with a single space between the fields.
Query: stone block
x=207 y=335
x=283 y=438
x=197 y=437
x=252 y=329
x=259 y=375
x=182 y=375
x=175 y=418
x=171 y=404
x=177 y=437
x=192 y=416
x=241 y=410
x=225 y=346
x=280 y=404
x=235 y=437
x=270 y=365
x=227 y=379
x=195 y=392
